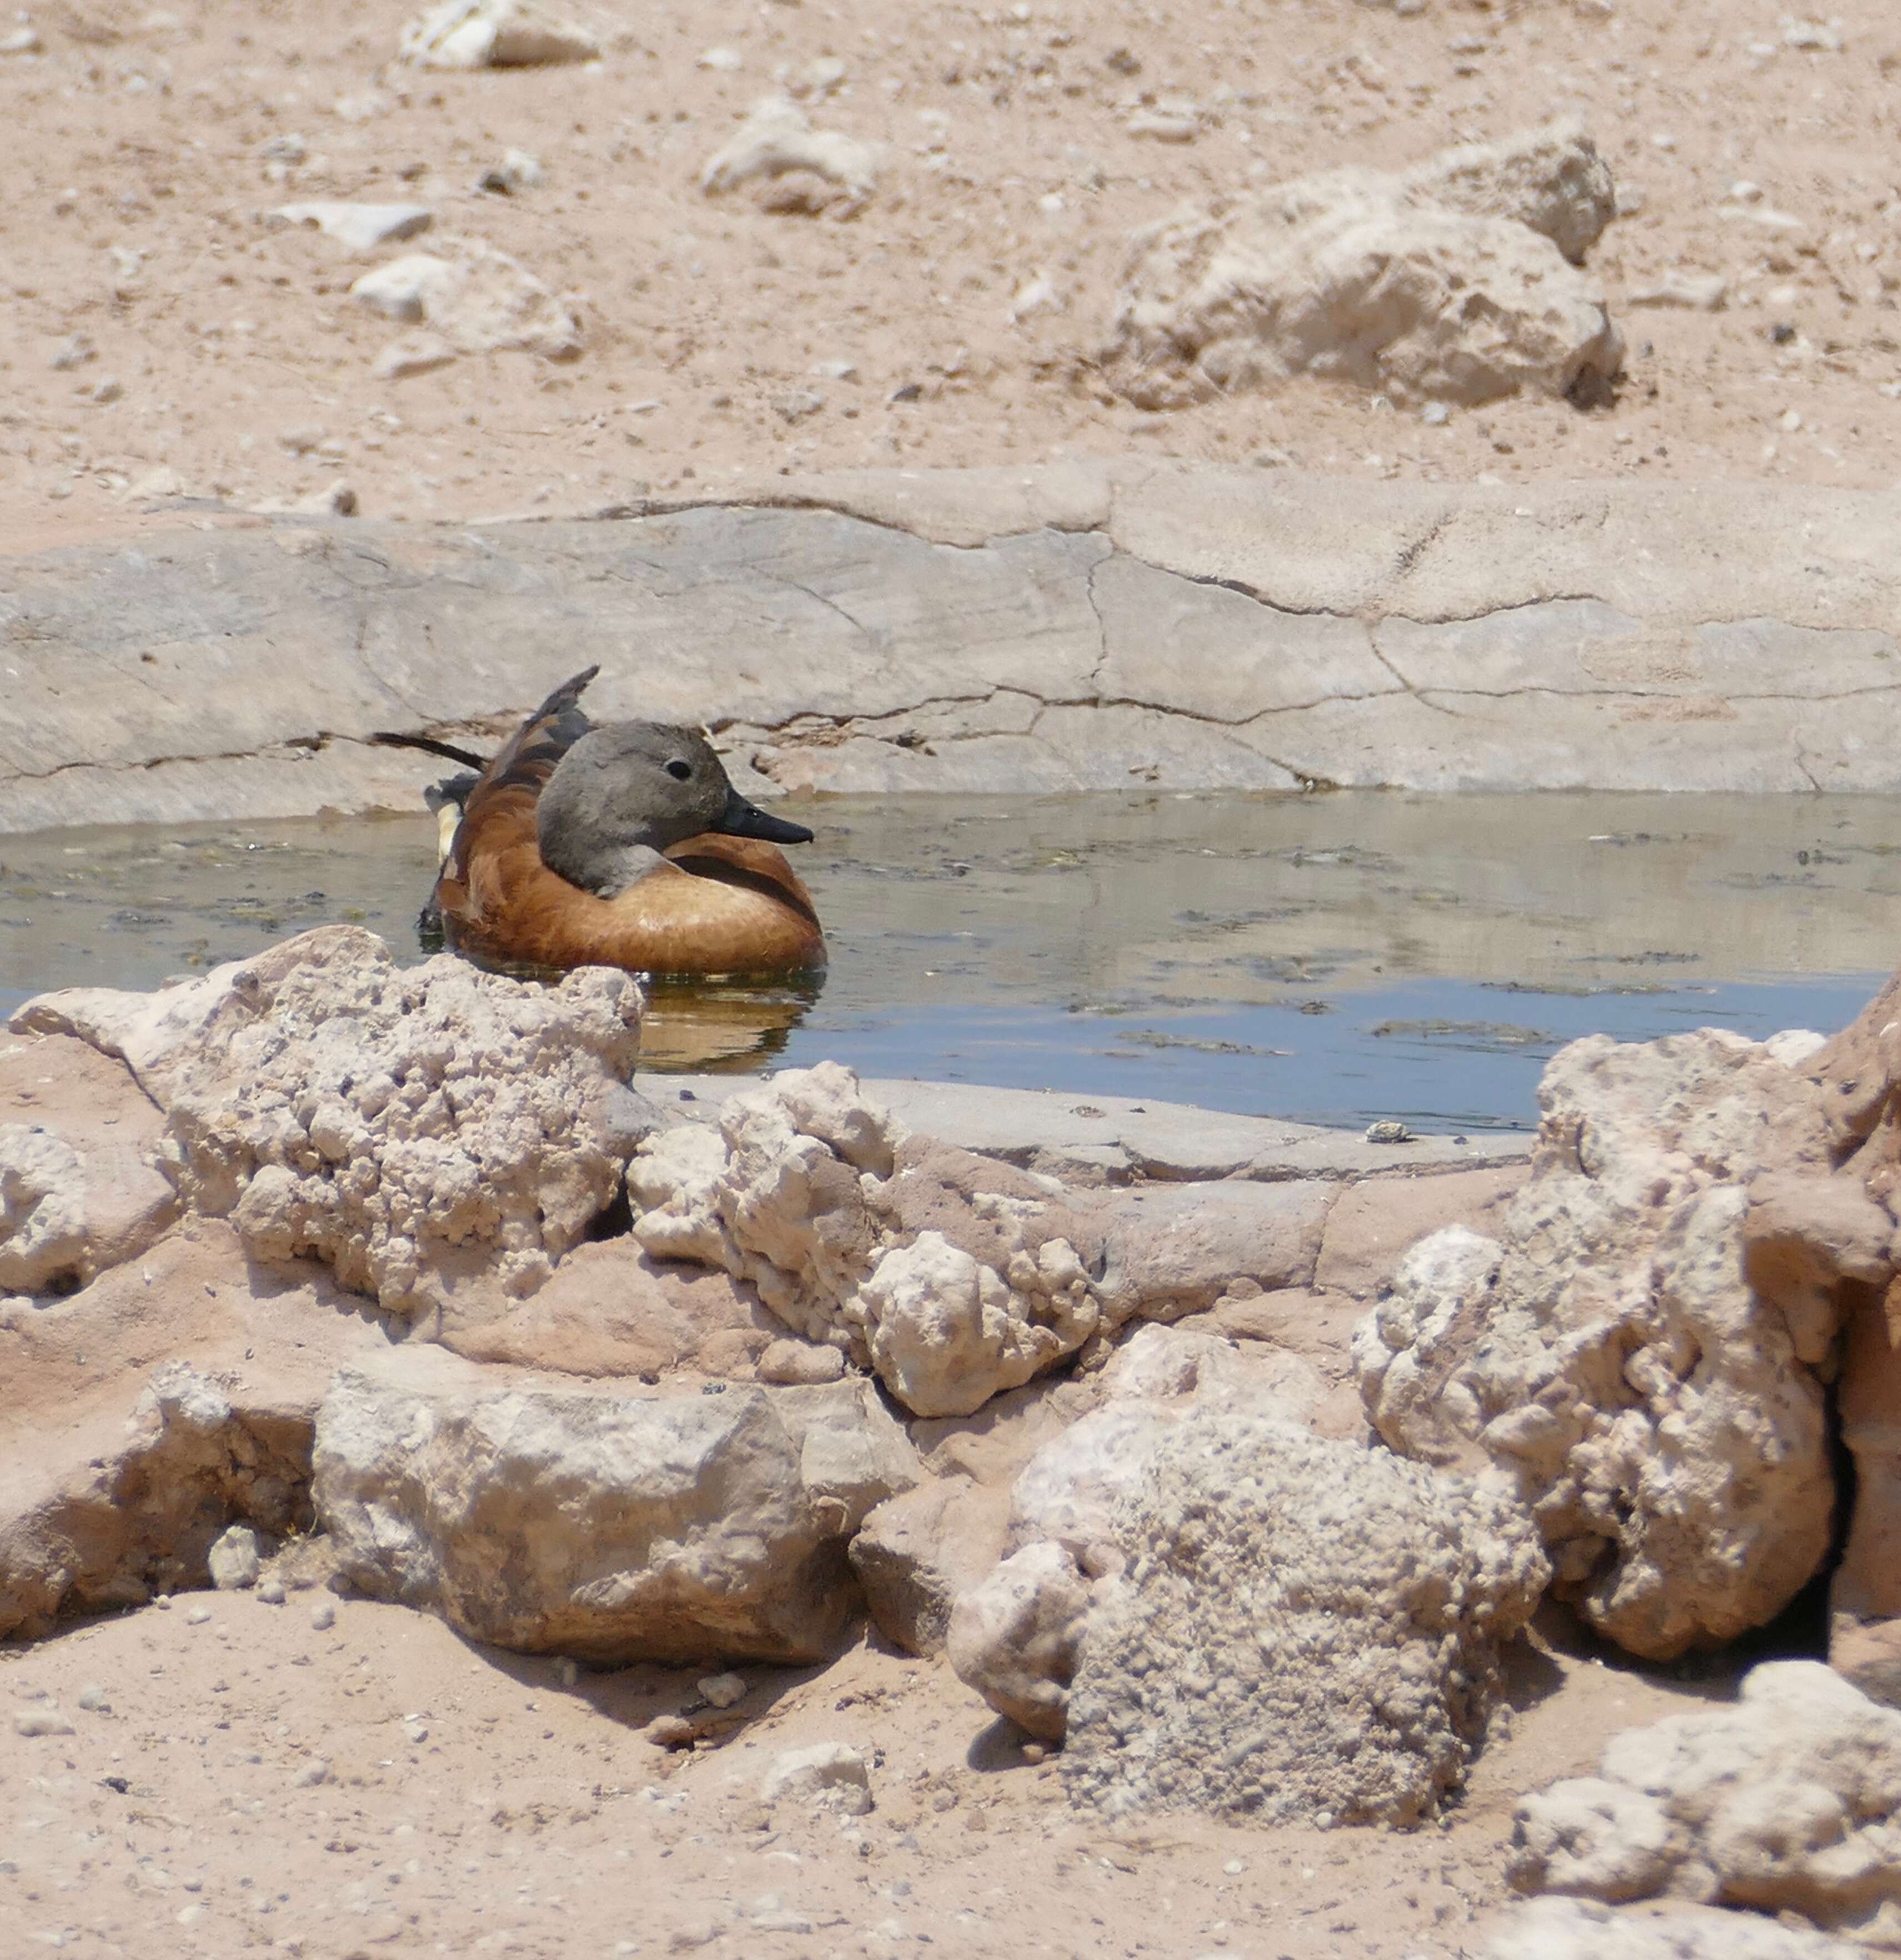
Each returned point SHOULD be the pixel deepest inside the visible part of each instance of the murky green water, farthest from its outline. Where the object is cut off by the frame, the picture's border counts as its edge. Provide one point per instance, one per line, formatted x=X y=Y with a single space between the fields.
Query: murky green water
x=1336 y=958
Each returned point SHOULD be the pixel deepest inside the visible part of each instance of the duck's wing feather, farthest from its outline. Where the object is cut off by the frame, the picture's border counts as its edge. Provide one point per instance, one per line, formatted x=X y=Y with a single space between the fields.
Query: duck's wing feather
x=498 y=817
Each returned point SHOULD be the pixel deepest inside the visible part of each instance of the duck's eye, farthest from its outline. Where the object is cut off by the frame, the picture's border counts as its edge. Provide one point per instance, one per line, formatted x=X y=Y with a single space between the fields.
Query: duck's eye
x=679 y=771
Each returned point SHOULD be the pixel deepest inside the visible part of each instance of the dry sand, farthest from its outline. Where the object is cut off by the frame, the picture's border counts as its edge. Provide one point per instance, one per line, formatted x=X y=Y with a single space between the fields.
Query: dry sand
x=142 y=142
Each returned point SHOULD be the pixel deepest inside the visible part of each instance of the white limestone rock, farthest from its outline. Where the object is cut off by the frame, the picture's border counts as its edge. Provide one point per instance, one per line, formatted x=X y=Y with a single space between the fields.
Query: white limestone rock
x=777 y=136
x=1016 y=1637
x=360 y=228
x=1456 y=282
x=474 y=300
x=1784 y=1801
x=949 y=1274
x=1564 y=1928
x=44 y=1242
x=1304 y=1628
x=612 y=1528
x=416 y=1128
x=1661 y=1416
x=236 y=1558
x=822 y=1776
x=493 y=34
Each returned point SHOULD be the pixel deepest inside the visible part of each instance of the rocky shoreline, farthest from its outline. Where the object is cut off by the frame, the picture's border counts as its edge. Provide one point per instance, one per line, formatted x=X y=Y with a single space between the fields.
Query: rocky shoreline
x=1244 y=1466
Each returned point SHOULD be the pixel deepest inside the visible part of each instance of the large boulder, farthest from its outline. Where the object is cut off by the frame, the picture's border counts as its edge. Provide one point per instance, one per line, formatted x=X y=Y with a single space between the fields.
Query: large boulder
x=1660 y=1413
x=1305 y=1630
x=1456 y=282
x=1015 y=1637
x=419 y=1128
x=1785 y=1801
x=614 y=1527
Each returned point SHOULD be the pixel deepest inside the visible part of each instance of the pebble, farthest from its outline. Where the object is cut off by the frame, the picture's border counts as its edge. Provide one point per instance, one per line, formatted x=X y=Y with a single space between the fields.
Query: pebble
x=1388 y=1132
x=234 y=1558
x=417 y=1732
x=516 y=172
x=74 y=351
x=44 y=1720
x=723 y=61
x=271 y=1592
x=93 y=1698
x=797 y=403
x=197 y=1615
x=671 y=1732
x=1699 y=293
x=315 y=1771
x=21 y=41
x=361 y=228
x=324 y=1616
x=722 y=1690
x=826 y=1775
x=414 y=354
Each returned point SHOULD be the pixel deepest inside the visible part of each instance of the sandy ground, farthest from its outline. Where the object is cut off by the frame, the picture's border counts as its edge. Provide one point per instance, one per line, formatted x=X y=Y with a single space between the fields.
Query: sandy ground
x=479 y=1802
x=146 y=144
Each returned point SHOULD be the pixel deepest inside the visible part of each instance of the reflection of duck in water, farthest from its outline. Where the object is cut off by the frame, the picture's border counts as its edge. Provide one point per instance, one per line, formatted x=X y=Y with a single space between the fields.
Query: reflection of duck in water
x=621 y=845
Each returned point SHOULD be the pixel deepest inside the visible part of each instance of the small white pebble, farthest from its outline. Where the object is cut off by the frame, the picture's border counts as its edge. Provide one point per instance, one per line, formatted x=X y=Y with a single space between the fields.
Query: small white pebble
x=722 y=1690
x=271 y=1592
x=93 y=1698
x=315 y=1771
x=1234 y=1868
x=417 y=1732
x=322 y=1616
x=197 y=1616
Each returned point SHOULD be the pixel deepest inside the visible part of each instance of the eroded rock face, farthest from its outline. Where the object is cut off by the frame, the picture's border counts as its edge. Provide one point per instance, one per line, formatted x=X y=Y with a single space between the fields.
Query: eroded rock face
x=1784 y=1801
x=1456 y=282
x=415 y=1128
x=147 y=1516
x=1303 y=1628
x=612 y=1527
x=43 y=1239
x=1659 y=1416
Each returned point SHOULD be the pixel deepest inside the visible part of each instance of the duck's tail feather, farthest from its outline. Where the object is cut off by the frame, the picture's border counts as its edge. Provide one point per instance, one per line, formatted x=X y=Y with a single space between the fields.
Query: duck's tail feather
x=389 y=739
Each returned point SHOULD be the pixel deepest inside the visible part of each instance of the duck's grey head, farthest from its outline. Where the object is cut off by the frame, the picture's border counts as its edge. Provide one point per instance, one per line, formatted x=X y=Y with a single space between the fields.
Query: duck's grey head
x=627 y=791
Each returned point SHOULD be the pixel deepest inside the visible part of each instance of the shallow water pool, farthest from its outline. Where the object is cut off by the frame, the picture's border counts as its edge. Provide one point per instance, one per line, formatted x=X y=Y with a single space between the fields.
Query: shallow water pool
x=1336 y=958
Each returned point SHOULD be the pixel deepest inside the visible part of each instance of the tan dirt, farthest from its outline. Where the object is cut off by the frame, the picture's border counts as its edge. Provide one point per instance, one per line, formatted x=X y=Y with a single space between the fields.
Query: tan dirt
x=482 y=1803
x=139 y=176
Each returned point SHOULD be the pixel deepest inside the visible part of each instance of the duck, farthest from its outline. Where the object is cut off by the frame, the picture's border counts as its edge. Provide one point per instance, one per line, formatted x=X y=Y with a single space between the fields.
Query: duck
x=621 y=844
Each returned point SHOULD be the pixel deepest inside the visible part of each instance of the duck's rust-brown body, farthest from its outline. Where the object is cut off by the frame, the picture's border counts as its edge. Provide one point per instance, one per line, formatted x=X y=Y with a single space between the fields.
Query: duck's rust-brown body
x=716 y=903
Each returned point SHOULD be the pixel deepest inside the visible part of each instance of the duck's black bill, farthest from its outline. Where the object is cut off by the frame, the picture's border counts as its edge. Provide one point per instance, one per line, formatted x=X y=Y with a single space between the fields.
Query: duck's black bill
x=741 y=819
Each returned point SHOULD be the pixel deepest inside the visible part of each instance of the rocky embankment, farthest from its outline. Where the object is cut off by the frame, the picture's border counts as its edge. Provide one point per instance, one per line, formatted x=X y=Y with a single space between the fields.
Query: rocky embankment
x=1079 y=626
x=1231 y=1461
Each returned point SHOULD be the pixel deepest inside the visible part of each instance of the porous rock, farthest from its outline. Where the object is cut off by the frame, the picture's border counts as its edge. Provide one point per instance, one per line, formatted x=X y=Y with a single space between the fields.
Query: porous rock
x=415 y=1128
x=145 y=1517
x=1659 y=1416
x=1566 y=1929
x=822 y=1776
x=1016 y=1637
x=777 y=137
x=473 y=300
x=1784 y=1801
x=493 y=34
x=1304 y=1629
x=952 y=1276
x=1455 y=281
x=681 y=1527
